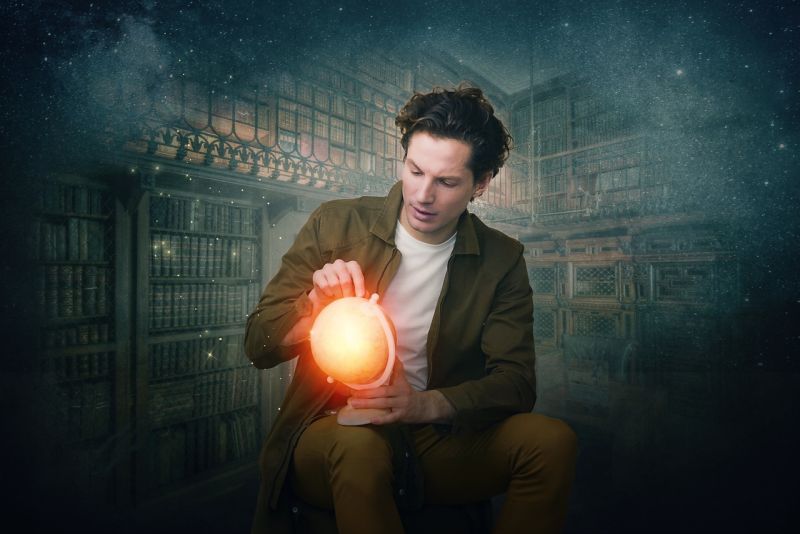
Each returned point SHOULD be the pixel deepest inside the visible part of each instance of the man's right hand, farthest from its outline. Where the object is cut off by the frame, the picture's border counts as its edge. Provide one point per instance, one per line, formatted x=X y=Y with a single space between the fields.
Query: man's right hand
x=335 y=280
x=332 y=281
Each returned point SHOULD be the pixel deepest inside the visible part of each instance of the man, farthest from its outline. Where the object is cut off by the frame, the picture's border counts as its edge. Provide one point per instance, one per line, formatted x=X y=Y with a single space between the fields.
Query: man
x=459 y=428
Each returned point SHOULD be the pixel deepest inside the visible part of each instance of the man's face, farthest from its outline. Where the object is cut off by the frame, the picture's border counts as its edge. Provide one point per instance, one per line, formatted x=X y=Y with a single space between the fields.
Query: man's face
x=437 y=186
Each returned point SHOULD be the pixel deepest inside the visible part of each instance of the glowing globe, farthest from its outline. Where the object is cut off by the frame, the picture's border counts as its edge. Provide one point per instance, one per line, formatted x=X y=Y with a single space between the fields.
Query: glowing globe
x=352 y=341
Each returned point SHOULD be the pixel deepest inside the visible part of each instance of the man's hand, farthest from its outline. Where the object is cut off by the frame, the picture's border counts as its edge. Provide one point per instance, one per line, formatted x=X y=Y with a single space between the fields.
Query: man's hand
x=407 y=404
x=336 y=280
x=333 y=280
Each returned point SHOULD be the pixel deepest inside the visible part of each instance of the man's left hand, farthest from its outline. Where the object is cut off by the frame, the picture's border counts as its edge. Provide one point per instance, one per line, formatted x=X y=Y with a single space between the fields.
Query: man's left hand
x=407 y=405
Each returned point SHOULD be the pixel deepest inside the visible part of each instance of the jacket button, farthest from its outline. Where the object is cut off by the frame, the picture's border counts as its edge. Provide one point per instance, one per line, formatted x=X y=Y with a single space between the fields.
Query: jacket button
x=295 y=509
x=402 y=492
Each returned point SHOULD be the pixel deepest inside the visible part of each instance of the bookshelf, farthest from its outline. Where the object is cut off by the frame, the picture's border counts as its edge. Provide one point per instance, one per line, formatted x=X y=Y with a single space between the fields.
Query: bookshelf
x=200 y=273
x=83 y=351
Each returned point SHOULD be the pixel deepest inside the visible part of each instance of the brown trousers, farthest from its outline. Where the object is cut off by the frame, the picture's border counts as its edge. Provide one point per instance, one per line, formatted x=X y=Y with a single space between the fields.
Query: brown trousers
x=528 y=456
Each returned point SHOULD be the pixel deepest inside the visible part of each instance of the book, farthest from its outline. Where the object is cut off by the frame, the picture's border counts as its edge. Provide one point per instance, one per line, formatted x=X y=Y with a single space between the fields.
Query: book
x=69 y=202
x=102 y=291
x=46 y=249
x=90 y=290
x=171 y=402
x=185 y=255
x=158 y=212
x=73 y=238
x=194 y=247
x=60 y=239
x=65 y=291
x=236 y=220
x=155 y=255
x=83 y=332
x=173 y=255
x=82 y=201
x=77 y=294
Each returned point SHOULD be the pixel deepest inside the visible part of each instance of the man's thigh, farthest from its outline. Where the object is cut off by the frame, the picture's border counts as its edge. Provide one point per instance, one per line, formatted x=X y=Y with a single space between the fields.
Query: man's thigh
x=471 y=467
x=326 y=447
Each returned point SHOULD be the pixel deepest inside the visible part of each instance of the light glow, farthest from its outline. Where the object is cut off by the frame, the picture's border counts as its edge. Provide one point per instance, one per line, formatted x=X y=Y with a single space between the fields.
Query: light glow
x=349 y=341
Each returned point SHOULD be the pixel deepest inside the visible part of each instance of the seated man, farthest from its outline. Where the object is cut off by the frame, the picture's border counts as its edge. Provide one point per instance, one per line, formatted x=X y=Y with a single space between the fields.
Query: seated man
x=460 y=427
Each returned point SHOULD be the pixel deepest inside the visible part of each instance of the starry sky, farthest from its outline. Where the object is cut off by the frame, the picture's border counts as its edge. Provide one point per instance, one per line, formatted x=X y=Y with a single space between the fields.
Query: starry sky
x=716 y=80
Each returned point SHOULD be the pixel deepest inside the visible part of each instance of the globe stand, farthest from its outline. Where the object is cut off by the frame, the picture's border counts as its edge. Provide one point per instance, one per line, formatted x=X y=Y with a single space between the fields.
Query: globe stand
x=347 y=415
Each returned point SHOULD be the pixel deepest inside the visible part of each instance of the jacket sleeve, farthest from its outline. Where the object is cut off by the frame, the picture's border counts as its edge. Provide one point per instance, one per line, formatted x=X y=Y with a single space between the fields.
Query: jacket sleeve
x=285 y=299
x=509 y=385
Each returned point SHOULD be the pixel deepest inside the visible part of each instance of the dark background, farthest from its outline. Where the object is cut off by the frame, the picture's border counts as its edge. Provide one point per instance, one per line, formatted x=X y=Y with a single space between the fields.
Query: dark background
x=720 y=77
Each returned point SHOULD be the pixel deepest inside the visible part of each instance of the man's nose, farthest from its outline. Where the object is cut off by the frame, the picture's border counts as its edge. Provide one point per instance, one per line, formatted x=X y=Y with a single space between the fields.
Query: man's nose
x=426 y=192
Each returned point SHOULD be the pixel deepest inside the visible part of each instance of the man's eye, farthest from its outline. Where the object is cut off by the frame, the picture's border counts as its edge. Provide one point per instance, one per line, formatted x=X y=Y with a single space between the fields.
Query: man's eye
x=447 y=183
x=416 y=173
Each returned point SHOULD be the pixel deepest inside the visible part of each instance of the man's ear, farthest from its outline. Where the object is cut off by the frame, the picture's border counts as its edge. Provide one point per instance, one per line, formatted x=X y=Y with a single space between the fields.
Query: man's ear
x=482 y=184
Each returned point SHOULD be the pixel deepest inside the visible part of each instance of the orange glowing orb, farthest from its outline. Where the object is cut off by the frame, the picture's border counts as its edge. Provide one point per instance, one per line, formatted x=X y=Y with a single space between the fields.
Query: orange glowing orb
x=353 y=342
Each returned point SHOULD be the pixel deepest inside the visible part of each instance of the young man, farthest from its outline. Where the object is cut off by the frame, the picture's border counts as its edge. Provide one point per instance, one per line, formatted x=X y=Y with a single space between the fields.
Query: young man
x=460 y=428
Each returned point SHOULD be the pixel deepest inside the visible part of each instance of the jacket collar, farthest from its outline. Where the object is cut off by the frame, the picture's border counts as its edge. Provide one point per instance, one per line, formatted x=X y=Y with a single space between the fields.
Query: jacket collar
x=384 y=225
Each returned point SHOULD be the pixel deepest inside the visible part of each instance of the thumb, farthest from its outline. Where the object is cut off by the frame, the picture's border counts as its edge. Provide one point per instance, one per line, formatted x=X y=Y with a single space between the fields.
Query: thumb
x=398 y=372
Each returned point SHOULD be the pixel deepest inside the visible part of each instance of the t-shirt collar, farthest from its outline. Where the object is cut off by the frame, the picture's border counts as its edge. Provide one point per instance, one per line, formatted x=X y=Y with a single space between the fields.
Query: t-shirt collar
x=384 y=225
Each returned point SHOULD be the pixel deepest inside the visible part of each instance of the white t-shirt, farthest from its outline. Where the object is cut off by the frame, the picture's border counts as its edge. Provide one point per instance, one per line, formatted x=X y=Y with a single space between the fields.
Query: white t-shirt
x=410 y=300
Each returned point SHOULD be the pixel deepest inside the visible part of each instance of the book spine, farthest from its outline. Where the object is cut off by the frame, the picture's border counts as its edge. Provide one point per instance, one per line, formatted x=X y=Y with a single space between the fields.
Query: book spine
x=73 y=238
x=83 y=201
x=185 y=255
x=77 y=293
x=194 y=257
x=60 y=242
x=155 y=255
x=90 y=290
x=174 y=255
x=202 y=260
x=102 y=291
x=65 y=292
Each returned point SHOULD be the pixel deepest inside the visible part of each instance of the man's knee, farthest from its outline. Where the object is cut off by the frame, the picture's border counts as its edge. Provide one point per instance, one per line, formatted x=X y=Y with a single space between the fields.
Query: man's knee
x=543 y=436
x=332 y=460
x=361 y=446
x=359 y=461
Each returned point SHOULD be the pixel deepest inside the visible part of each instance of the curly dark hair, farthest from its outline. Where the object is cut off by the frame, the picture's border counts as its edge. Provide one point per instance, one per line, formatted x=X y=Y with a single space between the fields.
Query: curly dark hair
x=464 y=114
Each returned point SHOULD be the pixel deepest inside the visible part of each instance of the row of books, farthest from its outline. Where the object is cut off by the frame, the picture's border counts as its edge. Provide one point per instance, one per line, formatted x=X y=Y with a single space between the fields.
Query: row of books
x=175 y=213
x=57 y=197
x=73 y=291
x=74 y=239
x=82 y=334
x=174 y=255
x=78 y=366
x=84 y=409
x=176 y=358
x=184 y=450
x=202 y=395
x=188 y=305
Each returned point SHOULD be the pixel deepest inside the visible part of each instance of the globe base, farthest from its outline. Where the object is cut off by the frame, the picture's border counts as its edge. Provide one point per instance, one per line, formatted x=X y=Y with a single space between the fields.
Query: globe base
x=348 y=416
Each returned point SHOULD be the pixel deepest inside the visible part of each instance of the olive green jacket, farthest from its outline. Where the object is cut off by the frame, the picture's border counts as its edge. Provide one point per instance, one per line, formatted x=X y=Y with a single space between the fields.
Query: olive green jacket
x=480 y=343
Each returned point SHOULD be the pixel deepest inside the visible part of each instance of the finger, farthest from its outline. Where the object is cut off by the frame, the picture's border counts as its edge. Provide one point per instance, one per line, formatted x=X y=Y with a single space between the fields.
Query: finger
x=391 y=417
x=381 y=402
x=343 y=278
x=332 y=281
x=358 y=278
x=398 y=372
x=321 y=284
x=374 y=393
x=345 y=282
